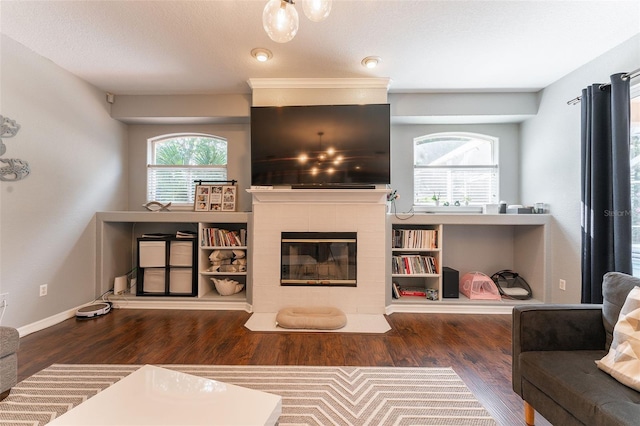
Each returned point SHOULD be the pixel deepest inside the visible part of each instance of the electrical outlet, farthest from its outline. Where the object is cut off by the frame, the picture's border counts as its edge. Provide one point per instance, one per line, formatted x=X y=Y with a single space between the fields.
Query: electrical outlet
x=43 y=290
x=562 y=285
x=4 y=300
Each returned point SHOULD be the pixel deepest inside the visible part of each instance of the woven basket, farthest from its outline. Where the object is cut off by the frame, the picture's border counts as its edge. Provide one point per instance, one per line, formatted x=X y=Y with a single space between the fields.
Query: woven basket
x=227 y=287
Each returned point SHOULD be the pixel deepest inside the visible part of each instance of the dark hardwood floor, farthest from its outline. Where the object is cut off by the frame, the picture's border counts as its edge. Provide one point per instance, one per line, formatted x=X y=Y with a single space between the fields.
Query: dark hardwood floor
x=477 y=347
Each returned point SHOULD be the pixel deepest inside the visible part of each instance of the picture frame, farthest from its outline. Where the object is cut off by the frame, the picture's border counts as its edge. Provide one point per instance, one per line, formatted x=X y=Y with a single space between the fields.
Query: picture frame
x=215 y=198
x=229 y=196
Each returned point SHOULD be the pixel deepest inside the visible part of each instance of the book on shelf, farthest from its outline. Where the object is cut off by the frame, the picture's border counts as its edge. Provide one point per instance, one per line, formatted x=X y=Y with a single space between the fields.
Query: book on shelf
x=414 y=264
x=158 y=235
x=217 y=237
x=395 y=290
x=428 y=293
x=186 y=234
x=413 y=291
x=415 y=238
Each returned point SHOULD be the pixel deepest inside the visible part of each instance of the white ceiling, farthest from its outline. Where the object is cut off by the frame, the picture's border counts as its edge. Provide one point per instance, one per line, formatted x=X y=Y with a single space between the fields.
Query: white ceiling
x=202 y=47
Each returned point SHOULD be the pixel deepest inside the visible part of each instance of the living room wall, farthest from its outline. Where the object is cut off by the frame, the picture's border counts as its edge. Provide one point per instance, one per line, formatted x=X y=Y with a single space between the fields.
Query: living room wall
x=550 y=158
x=77 y=154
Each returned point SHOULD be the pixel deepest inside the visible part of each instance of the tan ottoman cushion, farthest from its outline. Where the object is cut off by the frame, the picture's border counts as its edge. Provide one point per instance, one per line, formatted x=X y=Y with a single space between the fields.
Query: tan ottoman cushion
x=315 y=317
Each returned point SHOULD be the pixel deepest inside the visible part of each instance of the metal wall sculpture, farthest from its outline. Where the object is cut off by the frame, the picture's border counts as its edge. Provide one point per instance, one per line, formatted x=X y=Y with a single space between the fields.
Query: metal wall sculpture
x=12 y=169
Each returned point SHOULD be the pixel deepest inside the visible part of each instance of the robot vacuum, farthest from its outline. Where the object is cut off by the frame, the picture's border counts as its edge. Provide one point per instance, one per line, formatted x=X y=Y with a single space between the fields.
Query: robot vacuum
x=93 y=311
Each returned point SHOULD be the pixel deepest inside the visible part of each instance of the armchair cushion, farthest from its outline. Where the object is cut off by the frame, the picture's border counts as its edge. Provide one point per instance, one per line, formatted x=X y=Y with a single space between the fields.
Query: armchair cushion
x=554 y=328
x=572 y=380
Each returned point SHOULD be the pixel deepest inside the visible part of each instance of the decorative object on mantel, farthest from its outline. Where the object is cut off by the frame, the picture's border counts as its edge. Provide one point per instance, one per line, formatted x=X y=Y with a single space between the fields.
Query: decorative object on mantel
x=15 y=169
x=215 y=197
x=391 y=199
x=157 y=206
x=280 y=17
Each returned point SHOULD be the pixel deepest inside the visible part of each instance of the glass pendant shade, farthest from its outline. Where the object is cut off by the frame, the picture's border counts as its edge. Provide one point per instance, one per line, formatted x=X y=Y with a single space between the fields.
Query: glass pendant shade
x=280 y=20
x=316 y=10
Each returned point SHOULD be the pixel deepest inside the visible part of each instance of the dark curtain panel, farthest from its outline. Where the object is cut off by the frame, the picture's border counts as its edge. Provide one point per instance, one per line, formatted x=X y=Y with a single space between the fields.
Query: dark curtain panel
x=606 y=184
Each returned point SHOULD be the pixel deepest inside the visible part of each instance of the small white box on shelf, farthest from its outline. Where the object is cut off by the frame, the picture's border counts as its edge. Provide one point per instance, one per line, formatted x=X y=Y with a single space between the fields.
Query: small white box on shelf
x=153 y=280
x=180 y=281
x=152 y=254
x=181 y=253
x=491 y=209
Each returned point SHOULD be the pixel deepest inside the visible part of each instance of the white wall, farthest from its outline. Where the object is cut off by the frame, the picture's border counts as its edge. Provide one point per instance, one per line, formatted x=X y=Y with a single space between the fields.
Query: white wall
x=402 y=156
x=238 y=156
x=76 y=151
x=550 y=159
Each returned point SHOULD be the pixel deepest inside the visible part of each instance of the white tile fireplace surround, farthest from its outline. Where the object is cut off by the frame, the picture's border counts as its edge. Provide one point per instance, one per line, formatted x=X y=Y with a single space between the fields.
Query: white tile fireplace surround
x=319 y=210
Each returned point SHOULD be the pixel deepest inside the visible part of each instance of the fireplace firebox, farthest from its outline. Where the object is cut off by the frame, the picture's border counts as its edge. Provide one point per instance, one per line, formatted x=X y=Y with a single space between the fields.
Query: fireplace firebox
x=318 y=259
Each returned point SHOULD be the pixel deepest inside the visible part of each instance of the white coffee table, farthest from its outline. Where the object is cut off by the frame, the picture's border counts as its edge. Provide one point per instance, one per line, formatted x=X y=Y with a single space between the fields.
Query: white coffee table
x=158 y=396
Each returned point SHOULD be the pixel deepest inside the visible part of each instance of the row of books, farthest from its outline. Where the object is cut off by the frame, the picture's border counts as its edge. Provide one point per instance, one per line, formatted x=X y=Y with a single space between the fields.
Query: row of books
x=414 y=264
x=216 y=237
x=428 y=293
x=415 y=238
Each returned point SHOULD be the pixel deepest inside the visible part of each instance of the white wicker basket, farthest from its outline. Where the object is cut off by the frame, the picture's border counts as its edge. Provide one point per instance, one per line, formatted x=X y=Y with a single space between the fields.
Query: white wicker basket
x=227 y=287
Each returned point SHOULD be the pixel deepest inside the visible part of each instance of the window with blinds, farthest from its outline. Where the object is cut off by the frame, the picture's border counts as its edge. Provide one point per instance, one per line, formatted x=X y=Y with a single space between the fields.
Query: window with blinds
x=176 y=161
x=455 y=168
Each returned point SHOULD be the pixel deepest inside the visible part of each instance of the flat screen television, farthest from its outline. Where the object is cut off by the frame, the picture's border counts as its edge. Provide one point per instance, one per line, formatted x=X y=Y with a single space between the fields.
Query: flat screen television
x=321 y=145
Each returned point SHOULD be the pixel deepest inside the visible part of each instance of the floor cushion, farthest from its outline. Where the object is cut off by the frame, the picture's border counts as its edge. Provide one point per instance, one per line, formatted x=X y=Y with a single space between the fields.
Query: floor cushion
x=314 y=317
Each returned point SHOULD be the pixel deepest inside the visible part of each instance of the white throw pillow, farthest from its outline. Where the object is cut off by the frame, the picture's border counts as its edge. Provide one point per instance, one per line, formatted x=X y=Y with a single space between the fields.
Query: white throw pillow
x=623 y=360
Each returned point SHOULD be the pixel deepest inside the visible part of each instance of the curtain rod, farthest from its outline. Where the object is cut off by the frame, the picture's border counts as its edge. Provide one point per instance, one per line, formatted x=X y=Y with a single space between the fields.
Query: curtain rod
x=629 y=75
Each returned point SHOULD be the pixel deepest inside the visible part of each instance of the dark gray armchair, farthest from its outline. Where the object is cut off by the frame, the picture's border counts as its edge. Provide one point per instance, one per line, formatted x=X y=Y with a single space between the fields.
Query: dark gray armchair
x=554 y=352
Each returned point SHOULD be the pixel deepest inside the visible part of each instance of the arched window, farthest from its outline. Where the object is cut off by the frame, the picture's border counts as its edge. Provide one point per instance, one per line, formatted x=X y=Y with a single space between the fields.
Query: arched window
x=455 y=168
x=176 y=161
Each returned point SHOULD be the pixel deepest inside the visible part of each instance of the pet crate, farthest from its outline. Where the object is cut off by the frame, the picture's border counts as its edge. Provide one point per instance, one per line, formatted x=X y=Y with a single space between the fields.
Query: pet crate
x=478 y=286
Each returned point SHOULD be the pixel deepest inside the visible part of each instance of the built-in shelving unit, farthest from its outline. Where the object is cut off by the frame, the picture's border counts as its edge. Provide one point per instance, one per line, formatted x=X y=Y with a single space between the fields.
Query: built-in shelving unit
x=117 y=253
x=416 y=259
x=464 y=242
x=223 y=255
x=472 y=242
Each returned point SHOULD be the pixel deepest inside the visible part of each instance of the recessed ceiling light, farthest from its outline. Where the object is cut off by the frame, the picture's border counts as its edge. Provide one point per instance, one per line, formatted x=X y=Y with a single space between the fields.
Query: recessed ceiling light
x=261 y=54
x=371 y=61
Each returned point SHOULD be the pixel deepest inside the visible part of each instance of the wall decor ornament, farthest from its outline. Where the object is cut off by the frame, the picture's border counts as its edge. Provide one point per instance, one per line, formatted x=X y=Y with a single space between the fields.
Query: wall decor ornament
x=157 y=206
x=13 y=169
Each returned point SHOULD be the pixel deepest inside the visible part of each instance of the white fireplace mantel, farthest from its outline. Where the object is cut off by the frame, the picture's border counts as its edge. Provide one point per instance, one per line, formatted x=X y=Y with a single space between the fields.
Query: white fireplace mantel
x=319 y=196
x=279 y=210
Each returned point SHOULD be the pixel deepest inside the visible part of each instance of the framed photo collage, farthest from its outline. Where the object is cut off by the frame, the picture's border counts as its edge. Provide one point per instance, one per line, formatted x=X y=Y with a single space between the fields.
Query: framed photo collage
x=215 y=198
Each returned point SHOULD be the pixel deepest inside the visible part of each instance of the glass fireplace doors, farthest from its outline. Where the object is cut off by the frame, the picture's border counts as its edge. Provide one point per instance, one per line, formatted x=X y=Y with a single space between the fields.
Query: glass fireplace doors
x=318 y=258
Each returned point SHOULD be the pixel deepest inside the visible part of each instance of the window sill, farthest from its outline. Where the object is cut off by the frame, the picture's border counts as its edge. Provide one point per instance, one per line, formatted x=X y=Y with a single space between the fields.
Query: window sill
x=448 y=209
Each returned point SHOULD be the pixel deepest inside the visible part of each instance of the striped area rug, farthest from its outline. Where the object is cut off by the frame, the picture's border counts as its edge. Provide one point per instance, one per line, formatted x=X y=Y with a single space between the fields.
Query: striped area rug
x=310 y=395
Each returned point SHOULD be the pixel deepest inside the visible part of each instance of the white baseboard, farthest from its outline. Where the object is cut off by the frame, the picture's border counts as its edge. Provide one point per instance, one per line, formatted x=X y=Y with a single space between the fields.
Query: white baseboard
x=70 y=313
x=48 y=322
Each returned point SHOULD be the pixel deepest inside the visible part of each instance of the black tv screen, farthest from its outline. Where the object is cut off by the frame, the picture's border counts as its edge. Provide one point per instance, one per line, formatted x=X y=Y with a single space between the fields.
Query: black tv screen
x=320 y=145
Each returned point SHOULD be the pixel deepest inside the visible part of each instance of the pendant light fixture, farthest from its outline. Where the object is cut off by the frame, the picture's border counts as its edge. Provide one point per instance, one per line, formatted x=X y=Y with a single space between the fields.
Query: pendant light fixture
x=316 y=10
x=280 y=20
x=280 y=17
